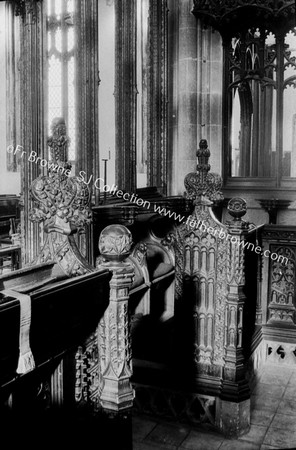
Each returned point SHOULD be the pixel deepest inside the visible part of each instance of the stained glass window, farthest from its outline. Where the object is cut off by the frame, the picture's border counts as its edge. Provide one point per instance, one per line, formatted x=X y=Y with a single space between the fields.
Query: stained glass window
x=61 y=66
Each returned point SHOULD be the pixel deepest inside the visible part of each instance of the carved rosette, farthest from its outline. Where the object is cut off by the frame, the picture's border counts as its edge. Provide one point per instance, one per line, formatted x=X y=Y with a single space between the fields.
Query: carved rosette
x=116 y=392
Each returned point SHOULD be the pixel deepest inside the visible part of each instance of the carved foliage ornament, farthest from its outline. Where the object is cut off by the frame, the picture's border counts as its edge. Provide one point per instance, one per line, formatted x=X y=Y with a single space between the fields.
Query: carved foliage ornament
x=203 y=185
x=115 y=242
x=62 y=203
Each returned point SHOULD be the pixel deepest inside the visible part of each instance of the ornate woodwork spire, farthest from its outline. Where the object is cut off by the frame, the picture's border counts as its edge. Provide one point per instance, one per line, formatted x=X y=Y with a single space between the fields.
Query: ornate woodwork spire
x=203 y=186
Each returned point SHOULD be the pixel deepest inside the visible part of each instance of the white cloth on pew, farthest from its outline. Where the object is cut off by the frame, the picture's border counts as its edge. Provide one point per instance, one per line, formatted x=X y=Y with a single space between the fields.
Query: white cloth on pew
x=26 y=361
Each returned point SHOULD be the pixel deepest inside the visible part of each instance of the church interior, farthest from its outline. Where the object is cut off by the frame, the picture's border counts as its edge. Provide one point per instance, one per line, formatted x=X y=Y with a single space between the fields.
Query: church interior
x=147 y=224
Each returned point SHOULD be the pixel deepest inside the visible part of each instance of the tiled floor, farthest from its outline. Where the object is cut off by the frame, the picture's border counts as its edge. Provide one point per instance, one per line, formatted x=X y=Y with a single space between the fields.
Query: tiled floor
x=273 y=421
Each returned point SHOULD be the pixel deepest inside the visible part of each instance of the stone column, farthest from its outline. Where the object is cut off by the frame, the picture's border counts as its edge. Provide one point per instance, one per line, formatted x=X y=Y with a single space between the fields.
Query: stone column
x=182 y=92
x=125 y=94
x=209 y=91
x=31 y=114
x=157 y=80
x=233 y=414
x=115 y=391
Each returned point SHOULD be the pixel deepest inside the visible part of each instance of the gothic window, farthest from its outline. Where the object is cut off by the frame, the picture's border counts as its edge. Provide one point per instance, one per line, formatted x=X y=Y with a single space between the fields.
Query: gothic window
x=259 y=95
x=252 y=85
x=61 y=66
x=261 y=100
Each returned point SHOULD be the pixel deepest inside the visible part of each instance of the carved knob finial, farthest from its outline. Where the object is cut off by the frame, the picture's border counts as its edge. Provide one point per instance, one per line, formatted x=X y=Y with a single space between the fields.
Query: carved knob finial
x=203 y=154
x=237 y=208
x=115 y=242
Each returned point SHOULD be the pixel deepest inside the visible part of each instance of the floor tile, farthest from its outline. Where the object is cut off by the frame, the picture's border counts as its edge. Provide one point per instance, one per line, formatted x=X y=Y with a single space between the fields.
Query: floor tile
x=168 y=434
x=151 y=446
x=269 y=390
x=261 y=417
x=273 y=422
x=276 y=378
x=290 y=392
x=283 y=438
x=237 y=445
x=292 y=380
x=284 y=422
x=202 y=441
x=255 y=435
x=275 y=368
x=142 y=427
x=264 y=403
x=287 y=406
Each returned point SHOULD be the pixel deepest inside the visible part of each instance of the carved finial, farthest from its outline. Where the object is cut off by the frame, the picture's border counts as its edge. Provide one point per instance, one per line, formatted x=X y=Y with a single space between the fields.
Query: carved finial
x=58 y=142
x=203 y=154
x=203 y=186
x=115 y=242
x=237 y=208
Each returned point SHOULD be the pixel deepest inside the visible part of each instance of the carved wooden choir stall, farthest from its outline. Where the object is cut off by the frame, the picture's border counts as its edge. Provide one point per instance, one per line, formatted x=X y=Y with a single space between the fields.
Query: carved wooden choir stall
x=173 y=291
x=64 y=324
x=187 y=304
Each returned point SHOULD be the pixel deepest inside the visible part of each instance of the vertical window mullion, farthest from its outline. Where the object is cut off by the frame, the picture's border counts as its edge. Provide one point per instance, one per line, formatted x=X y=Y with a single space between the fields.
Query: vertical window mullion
x=280 y=41
x=64 y=30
